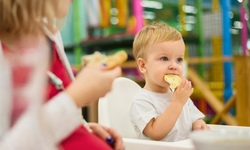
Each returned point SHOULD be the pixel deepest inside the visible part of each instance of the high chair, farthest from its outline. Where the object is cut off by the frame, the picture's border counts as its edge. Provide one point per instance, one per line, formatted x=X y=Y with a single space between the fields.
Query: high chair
x=114 y=108
x=114 y=111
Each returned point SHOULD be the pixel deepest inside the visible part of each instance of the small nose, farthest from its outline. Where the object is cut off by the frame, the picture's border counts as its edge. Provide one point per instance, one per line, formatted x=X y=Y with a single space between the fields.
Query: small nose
x=173 y=66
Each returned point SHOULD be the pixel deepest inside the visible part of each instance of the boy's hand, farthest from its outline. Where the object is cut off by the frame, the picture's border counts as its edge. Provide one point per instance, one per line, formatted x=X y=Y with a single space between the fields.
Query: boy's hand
x=200 y=125
x=183 y=92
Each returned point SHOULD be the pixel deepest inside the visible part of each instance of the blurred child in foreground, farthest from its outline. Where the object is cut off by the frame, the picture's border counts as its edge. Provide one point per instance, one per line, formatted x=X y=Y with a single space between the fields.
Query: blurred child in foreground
x=31 y=119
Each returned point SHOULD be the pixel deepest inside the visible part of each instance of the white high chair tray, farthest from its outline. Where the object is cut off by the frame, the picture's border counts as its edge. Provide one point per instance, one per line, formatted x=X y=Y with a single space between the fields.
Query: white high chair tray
x=136 y=144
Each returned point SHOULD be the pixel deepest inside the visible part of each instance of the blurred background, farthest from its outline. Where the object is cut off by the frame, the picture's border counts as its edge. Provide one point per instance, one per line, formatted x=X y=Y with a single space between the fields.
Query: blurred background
x=216 y=34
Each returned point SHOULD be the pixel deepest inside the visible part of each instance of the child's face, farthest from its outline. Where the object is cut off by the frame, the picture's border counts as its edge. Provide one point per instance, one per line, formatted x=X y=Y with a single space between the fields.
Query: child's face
x=163 y=58
x=62 y=8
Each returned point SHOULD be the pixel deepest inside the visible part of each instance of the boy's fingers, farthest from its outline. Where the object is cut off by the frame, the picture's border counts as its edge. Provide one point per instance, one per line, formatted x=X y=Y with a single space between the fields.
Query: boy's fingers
x=191 y=91
x=182 y=84
x=190 y=84
x=206 y=127
x=198 y=127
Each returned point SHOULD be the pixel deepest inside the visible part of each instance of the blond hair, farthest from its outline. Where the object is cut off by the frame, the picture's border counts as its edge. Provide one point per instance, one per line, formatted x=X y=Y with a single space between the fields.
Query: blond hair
x=22 y=17
x=151 y=34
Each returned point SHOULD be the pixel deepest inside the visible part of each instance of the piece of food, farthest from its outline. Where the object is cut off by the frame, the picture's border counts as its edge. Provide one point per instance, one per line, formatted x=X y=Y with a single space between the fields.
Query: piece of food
x=92 y=59
x=173 y=80
x=111 y=61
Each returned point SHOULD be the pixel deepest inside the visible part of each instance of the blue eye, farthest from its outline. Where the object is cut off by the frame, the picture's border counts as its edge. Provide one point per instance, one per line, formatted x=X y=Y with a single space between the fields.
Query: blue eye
x=179 y=59
x=164 y=58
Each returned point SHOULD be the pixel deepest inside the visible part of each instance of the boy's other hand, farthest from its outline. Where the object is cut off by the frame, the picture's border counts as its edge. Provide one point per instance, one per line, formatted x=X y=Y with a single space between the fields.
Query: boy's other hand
x=200 y=125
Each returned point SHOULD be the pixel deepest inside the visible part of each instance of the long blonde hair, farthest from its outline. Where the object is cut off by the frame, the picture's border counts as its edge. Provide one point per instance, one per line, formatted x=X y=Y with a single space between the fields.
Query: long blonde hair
x=21 y=17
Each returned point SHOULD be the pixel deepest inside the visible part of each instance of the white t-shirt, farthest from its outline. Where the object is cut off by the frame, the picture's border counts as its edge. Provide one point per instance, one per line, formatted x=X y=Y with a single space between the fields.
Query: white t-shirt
x=148 y=105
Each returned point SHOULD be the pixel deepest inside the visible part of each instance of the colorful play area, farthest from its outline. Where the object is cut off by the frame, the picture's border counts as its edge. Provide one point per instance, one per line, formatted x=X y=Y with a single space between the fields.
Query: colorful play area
x=216 y=34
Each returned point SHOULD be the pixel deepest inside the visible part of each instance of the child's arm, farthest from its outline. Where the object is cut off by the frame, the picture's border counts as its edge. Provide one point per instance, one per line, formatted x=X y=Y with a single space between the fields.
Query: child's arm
x=160 y=127
x=200 y=124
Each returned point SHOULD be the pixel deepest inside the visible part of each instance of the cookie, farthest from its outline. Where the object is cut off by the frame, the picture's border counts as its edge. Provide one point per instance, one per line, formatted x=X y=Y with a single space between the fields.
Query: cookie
x=111 y=61
x=173 y=80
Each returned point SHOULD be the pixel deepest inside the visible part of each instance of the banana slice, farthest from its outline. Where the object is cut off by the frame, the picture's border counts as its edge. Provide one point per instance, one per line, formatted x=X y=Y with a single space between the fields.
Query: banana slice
x=173 y=80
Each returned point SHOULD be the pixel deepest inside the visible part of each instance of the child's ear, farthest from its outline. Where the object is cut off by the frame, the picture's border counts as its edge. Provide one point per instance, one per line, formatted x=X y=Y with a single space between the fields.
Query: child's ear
x=141 y=65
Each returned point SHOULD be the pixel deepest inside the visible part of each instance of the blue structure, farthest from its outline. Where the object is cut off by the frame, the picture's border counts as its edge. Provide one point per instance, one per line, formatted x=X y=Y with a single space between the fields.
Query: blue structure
x=226 y=22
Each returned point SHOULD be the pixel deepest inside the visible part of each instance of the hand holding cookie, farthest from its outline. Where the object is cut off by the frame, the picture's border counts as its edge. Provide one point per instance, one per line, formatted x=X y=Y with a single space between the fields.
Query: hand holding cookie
x=183 y=92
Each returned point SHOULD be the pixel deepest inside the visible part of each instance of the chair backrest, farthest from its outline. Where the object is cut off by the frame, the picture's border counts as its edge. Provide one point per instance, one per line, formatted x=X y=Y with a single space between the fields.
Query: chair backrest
x=114 y=108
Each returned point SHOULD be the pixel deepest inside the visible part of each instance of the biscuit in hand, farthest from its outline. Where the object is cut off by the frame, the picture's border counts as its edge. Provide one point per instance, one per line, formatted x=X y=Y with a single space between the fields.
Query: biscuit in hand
x=173 y=80
x=92 y=59
x=111 y=61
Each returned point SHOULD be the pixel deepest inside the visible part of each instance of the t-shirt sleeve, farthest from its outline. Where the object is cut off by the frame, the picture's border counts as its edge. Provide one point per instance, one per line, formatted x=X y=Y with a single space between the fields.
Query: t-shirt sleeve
x=141 y=112
x=195 y=112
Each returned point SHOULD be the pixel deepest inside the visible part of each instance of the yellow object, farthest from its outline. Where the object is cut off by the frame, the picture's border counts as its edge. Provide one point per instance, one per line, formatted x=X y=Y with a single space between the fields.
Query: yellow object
x=105 y=13
x=182 y=16
x=173 y=80
x=122 y=15
x=110 y=61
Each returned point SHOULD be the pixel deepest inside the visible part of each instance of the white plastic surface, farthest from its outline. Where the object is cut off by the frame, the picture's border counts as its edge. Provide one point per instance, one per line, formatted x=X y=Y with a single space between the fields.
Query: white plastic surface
x=136 y=144
x=222 y=137
x=114 y=108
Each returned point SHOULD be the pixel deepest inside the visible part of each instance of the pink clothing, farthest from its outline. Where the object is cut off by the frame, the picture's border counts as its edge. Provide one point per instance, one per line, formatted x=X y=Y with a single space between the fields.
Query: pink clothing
x=81 y=138
x=45 y=125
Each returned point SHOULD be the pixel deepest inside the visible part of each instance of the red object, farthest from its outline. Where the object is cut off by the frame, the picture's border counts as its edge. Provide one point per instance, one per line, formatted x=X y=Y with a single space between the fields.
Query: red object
x=203 y=106
x=81 y=138
x=57 y=69
x=20 y=77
